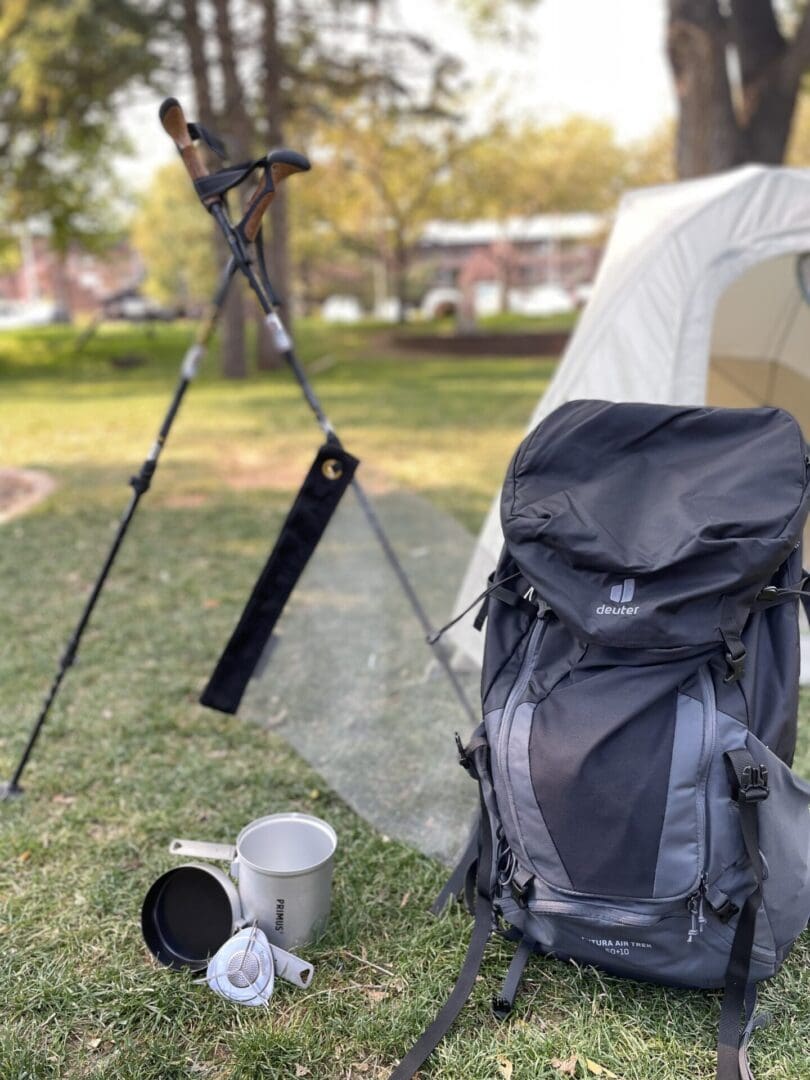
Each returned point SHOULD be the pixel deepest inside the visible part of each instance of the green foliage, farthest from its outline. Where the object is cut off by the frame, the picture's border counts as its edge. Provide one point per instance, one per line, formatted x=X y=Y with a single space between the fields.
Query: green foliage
x=63 y=64
x=381 y=176
x=651 y=160
x=524 y=169
x=174 y=238
x=798 y=151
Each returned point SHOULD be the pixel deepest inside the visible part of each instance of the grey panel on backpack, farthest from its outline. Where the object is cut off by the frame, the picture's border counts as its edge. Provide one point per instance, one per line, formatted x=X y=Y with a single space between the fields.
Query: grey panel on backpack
x=538 y=846
x=679 y=855
x=725 y=842
x=784 y=836
x=657 y=952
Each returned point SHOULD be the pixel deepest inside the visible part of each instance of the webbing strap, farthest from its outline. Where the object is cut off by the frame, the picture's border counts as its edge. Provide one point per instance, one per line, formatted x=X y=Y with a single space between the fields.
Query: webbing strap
x=755 y=1020
x=503 y=1002
x=433 y=1035
x=750 y=787
x=482 y=929
x=457 y=880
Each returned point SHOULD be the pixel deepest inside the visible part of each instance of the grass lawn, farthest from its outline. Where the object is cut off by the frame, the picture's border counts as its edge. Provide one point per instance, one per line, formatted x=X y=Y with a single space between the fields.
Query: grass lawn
x=129 y=759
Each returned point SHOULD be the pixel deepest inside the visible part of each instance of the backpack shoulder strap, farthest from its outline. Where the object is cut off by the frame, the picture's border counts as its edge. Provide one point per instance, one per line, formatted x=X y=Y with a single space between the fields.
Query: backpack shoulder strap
x=749 y=785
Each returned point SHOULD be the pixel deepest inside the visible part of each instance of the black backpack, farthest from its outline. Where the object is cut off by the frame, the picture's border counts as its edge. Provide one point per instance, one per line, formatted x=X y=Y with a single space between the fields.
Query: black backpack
x=639 y=694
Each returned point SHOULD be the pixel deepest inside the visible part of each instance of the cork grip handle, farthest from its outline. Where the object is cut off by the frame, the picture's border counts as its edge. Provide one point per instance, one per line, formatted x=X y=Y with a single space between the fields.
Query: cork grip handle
x=175 y=125
x=278 y=170
x=254 y=212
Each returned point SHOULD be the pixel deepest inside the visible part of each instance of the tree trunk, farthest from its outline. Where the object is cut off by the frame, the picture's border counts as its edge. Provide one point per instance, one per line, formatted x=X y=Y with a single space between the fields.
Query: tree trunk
x=277 y=247
x=233 y=319
x=237 y=120
x=401 y=279
x=770 y=81
x=61 y=284
x=708 y=137
x=715 y=131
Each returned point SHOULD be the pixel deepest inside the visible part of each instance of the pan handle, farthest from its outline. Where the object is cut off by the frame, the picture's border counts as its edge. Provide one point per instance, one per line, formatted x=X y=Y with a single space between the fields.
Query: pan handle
x=291 y=968
x=202 y=849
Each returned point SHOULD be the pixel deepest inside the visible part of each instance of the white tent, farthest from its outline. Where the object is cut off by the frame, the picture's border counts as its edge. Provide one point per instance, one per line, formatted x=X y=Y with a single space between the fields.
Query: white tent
x=697 y=300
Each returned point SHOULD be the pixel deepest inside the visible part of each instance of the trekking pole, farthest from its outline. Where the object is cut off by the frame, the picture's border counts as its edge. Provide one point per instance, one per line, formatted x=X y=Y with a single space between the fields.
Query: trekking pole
x=139 y=483
x=277 y=165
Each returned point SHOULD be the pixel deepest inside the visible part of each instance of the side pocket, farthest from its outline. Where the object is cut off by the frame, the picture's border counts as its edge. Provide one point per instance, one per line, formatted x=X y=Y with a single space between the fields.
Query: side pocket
x=784 y=838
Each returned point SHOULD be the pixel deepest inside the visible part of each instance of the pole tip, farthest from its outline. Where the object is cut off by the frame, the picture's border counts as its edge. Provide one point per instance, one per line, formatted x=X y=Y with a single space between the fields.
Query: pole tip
x=9 y=791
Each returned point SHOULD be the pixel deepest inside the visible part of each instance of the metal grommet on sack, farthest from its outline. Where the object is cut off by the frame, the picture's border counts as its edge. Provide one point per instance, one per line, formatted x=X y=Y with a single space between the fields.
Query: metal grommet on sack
x=332 y=469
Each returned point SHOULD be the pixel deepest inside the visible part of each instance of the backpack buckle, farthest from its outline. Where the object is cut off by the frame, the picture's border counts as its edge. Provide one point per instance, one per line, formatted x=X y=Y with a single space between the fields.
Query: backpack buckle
x=726 y=911
x=754 y=784
x=735 y=659
x=463 y=756
x=520 y=885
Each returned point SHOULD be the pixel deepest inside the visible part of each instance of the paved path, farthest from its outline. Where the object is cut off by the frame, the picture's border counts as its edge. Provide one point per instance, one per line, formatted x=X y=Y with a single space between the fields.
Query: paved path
x=352 y=685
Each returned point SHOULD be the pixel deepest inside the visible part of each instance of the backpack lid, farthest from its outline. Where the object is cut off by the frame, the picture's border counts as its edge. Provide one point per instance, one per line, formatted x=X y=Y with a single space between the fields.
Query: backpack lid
x=653 y=526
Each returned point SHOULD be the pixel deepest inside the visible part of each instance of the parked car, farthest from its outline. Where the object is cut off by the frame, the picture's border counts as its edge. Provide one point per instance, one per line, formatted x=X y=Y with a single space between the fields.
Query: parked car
x=16 y=314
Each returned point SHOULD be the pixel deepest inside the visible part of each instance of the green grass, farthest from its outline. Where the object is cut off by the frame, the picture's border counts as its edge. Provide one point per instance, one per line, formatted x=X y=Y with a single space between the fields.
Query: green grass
x=129 y=759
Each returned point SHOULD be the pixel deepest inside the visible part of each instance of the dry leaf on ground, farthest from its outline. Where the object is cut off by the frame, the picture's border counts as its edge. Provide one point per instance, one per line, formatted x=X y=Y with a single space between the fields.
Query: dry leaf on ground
x=505 y=1068
x=567 y=1067
x=600 y=1070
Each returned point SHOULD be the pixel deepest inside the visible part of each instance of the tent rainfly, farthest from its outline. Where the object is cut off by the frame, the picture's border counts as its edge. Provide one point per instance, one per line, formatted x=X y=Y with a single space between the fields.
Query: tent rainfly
x=698 y=300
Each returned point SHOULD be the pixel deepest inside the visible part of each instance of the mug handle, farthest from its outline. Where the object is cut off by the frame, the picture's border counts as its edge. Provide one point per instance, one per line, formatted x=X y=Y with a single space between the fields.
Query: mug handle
x=202 y=849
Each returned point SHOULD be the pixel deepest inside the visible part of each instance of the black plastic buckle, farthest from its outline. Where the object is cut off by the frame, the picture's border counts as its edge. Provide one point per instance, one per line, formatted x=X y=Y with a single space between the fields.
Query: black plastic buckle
x=754 y=786
x=520 y=885
x=726 y=911
x=463 y=756
x=736 y=666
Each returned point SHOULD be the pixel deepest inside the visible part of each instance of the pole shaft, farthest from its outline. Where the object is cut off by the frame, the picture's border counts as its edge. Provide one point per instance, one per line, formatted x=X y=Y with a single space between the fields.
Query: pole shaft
x=140 y=485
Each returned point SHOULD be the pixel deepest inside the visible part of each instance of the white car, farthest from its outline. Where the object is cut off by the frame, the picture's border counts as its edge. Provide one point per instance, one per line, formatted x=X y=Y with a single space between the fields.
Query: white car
x=16 y=314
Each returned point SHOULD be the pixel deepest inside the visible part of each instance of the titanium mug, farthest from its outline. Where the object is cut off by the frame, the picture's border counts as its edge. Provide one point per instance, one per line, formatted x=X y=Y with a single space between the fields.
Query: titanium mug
x=282 y=864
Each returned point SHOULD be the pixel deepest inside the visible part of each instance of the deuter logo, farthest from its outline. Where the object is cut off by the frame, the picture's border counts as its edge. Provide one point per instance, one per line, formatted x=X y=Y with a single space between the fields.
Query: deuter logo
x=624 y=593
x=620 y=595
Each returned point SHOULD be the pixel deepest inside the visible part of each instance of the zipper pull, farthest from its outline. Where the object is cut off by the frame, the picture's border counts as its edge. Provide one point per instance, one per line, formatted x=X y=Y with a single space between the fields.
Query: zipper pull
x=692 y=906
x=695 y=907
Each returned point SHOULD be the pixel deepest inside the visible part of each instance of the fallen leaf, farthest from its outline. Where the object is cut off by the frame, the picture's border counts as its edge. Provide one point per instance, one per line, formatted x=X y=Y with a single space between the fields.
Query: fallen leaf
x=505 y=1068
x=211 y=602
x=405 y=899
x=376 y=995
x=94 y=1043
x=26 y=855
x=64 y=800
x=301 y=1070
x=567 y=1067
x=599 y=1070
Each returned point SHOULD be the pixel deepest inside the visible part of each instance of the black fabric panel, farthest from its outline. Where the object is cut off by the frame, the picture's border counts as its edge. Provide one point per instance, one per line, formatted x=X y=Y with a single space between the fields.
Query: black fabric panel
x=634 y=521
x=600 y=752
x=506 y=629
x=305 y=524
